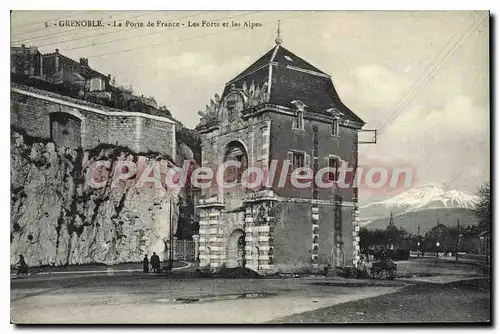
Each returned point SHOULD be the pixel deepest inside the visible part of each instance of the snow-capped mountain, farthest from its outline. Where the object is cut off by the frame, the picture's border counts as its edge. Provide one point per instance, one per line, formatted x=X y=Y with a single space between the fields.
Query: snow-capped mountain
x=423 y=197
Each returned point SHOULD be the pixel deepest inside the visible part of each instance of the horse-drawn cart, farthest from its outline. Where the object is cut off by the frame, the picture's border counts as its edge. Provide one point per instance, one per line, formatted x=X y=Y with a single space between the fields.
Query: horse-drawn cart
x=385 y=268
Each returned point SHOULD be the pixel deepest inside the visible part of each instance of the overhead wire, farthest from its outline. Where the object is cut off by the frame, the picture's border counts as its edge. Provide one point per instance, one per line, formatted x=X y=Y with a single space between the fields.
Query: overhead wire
x=137 y=36
x=182 y=40
x=56 y=18
x=425 y=77
x=68 y=32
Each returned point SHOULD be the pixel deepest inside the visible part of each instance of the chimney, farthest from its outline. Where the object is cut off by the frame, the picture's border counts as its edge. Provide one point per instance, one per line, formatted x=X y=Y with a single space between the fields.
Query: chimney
x=23 y=46
x=57 y=60
x=84 y=62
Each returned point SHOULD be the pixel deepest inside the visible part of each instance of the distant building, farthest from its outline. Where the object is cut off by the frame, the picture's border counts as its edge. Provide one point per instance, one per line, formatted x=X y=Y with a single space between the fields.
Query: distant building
x=26 y=60
x=60 y=74
x=58 y=68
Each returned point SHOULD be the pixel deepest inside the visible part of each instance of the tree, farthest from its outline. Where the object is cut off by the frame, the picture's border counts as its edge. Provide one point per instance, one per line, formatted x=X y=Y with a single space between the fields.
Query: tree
x=381 y=238
x=482 y=209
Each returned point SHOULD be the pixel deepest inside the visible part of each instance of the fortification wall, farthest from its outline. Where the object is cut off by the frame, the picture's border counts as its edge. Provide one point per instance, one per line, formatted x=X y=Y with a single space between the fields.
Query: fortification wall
x=79 y=124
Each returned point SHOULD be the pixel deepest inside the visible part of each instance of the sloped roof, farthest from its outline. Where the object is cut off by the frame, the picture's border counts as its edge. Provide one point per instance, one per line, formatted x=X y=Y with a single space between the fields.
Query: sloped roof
x=293 y=78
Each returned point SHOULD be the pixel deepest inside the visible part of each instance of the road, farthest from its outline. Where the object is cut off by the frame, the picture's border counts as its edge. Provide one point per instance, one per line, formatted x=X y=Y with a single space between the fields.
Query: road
x=130 y=297
x=462 y=301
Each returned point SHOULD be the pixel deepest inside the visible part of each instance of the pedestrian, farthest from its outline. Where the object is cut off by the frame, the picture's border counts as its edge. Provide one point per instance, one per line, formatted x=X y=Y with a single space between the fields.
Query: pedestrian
x=155 y=263
x=22 y=267
x=362 y=271
x=145 y=264
x=383 y=255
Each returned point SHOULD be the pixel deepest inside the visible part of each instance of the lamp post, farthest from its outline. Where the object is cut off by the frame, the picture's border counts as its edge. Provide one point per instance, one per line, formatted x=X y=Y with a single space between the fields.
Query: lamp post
x=171 y=242
x=458 y=239
x=437 y=249
x=418 y=241
x=483 y=248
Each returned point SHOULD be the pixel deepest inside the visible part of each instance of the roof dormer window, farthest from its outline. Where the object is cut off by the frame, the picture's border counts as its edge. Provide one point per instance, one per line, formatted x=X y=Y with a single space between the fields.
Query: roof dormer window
x=288 y=58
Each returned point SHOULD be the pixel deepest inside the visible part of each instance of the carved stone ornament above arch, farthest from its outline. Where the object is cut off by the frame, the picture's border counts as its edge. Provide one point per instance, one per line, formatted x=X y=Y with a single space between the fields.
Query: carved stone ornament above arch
x=211 y=110
x=255 y=94
x=251 y=96
x=230 y=109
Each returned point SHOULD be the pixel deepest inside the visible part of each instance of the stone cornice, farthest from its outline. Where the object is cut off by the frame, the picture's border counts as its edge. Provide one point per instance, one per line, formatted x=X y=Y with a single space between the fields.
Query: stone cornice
x=316 y=201
x=82 y=105
x=311 y=115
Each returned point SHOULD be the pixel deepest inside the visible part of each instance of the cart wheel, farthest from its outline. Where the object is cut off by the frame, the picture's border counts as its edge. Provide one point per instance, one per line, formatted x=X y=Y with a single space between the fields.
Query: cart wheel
x=377 y=273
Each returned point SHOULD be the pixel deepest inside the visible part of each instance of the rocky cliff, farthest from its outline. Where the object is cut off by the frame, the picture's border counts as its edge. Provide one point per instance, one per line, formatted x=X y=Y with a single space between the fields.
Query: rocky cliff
x=58 y=219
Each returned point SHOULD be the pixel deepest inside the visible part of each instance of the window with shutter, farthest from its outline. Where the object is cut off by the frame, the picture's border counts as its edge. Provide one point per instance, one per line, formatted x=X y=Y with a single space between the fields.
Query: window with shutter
x=333 y=162
x=307 y=160
x=289 y=157
x=298 y=160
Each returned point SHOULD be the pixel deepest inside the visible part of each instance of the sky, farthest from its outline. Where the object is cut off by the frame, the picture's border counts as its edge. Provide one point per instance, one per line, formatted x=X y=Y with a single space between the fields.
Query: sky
x=420 y=78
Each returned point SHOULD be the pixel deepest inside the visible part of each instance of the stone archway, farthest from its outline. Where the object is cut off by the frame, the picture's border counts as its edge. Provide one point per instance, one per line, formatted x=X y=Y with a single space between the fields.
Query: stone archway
x=66 y=129
x=235 y=151
x=235 y=249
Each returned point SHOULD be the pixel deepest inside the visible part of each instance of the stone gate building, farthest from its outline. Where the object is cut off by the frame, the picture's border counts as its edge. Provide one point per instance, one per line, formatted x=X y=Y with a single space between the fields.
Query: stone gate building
x=281 y=108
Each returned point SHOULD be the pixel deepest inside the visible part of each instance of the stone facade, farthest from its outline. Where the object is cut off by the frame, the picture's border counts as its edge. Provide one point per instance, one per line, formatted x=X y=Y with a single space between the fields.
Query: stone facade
x=40 y=113
x=271 y=113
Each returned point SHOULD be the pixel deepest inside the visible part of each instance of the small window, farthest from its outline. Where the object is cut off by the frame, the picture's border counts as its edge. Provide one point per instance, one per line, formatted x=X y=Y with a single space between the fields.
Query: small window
x=333 y=162
x=299 y=121
x=335 y=127
x=298 y=160
x=96 y=84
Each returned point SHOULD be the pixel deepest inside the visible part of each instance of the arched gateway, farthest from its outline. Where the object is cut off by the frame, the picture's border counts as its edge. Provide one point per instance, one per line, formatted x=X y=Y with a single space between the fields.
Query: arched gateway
x=235 y=249
x=259 y=122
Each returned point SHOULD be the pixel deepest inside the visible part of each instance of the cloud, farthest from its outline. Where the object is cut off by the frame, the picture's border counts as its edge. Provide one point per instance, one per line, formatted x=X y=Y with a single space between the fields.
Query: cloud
x=373 y=91
x=378 y=86
x=442 y=144
x=459 y=119
x=203 y=65
x=188 y=64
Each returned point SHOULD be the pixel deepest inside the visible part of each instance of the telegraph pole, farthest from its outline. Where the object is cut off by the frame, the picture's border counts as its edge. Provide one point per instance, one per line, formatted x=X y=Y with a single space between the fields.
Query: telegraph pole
x=458 y=238
x=439 y=239
x=418 y=241
x=171 y=241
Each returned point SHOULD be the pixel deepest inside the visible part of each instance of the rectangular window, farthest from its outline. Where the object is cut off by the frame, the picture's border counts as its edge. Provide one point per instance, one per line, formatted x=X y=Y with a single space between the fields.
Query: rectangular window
x=96 y=84
x=299 y=121
x=335 y=127
x=298 y=160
